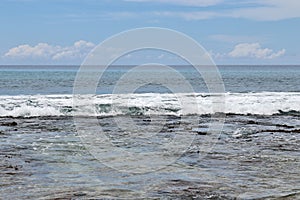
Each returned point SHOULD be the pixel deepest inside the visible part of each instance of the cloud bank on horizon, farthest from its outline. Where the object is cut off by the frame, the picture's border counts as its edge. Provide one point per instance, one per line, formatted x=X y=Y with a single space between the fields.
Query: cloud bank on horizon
x=80 y=49
x=234 y=32
x=51 y=52
x=254 y=50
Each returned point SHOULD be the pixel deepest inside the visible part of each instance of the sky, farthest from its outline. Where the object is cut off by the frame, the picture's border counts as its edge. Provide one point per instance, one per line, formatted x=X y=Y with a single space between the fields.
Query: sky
x=233 y=31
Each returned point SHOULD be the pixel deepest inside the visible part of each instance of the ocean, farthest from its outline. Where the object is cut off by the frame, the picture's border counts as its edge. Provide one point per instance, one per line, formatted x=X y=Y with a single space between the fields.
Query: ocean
x=255 y=155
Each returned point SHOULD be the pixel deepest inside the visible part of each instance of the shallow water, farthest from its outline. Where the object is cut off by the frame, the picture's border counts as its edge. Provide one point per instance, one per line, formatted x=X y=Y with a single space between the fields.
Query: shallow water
x=255 y=156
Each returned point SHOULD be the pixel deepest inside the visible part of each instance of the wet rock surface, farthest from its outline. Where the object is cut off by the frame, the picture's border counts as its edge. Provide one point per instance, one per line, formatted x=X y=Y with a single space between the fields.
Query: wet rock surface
x=254 y=157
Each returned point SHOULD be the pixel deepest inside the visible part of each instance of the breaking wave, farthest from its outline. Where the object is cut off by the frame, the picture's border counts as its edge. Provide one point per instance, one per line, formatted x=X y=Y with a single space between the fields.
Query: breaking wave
x=264 y=103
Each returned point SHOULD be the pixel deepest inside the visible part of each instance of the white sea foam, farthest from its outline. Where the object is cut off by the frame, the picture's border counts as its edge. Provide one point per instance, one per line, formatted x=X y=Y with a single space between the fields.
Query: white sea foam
x=265 y=103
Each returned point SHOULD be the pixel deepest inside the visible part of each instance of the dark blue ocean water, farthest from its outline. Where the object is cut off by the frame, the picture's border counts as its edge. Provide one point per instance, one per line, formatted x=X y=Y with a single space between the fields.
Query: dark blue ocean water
x=31 y=80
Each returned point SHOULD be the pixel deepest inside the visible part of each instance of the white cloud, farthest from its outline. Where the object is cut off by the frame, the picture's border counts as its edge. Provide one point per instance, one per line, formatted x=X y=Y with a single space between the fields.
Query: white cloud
x=254 y=50
x=260 y=10
x=270 y=10
x=198 y=3
x=161 y=56
x=216 y=54
x=40 y=50
x=46 y=51
x=187 y=15
x=119 y=15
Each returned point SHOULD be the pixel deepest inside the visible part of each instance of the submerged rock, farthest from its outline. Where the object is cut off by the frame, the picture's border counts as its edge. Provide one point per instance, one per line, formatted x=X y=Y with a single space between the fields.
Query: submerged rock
x=9 y=123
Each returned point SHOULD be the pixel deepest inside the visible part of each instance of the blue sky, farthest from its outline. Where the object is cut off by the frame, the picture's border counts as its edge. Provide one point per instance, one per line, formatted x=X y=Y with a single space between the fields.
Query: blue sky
x=232 y=31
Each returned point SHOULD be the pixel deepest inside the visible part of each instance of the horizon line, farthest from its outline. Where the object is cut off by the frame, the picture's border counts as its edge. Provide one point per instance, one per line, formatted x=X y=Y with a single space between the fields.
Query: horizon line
x=130 y=65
